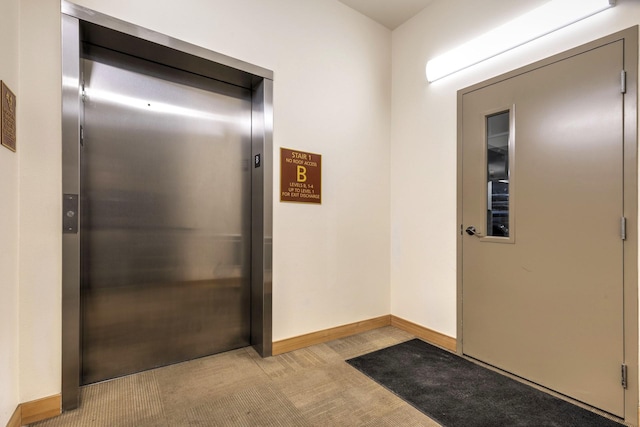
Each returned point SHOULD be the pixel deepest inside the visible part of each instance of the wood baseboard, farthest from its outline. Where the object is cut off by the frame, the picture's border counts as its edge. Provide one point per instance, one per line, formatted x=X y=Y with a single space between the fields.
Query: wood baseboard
x=302 y=341
x=320 y=337
x=14 y=421
x=428 y=335
x=41 y=409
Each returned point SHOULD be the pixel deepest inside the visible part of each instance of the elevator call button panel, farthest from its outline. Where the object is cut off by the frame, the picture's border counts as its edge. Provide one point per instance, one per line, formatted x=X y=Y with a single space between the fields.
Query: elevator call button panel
x=70 y=213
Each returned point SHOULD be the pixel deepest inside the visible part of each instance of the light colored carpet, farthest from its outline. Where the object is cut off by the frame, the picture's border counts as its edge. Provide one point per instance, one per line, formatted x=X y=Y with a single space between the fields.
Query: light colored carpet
x=308 y=387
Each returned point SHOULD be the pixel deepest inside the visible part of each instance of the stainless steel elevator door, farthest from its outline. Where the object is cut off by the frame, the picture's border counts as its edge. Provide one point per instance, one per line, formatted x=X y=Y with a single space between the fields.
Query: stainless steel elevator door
x=166 y=192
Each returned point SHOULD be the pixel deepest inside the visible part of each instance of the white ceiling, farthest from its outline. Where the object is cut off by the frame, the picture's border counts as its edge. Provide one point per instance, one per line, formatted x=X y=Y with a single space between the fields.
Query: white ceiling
x=390 y=13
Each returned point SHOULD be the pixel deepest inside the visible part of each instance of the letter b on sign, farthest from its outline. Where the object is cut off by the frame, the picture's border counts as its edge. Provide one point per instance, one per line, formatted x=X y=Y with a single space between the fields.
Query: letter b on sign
x=302 y=174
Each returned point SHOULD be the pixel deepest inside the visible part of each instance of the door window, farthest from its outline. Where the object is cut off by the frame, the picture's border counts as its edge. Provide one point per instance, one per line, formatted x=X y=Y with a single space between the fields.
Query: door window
x=498 y=174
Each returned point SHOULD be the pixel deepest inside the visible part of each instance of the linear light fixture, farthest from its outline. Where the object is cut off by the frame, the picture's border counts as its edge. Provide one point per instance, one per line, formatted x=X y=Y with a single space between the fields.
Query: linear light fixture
x=543 y=20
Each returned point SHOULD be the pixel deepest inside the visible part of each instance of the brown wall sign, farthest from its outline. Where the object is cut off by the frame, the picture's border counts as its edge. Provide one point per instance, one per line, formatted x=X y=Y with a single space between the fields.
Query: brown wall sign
x=8 y=118
x=300 y=176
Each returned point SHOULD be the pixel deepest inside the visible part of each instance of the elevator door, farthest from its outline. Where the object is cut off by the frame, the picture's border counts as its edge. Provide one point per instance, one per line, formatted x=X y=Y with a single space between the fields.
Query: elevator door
x=165 y=190
x=542 y=291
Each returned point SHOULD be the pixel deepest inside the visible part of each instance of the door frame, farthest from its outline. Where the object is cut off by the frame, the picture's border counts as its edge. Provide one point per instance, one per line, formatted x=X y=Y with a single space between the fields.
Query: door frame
x=81 y=25
x=630 y=209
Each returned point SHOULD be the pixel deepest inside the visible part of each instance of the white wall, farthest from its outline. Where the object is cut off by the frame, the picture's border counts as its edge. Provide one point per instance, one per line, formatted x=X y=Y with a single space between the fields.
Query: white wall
x=9 y=199
x=332 y=97
x=40 y=199
x=423 y=142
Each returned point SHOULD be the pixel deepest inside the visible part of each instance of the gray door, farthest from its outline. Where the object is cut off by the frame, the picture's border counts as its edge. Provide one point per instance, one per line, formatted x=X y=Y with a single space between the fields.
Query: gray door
x=166 y=191
x=542 y=185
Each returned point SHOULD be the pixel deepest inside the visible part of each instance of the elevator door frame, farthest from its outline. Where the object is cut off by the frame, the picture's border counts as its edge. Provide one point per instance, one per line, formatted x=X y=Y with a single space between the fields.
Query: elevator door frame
x=630 y=209
x=82 y=25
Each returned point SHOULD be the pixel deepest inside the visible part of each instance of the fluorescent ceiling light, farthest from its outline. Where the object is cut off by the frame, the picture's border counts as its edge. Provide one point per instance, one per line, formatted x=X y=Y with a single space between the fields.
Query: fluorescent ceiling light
x=545 y=19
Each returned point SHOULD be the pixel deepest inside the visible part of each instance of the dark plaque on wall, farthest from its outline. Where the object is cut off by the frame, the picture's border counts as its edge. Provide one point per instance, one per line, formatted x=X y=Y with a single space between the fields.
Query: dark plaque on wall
x=300 y=176
x=8 y=119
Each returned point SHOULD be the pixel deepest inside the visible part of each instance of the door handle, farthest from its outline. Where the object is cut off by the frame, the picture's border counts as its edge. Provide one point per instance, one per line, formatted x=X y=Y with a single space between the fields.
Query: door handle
x=471 y=231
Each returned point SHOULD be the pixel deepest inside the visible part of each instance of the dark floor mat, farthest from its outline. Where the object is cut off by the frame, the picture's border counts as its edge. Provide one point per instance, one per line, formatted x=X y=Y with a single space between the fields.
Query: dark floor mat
x=458 y=393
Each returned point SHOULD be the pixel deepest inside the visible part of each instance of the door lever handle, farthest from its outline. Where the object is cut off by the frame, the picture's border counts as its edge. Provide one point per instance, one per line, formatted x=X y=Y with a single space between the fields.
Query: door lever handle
x=471 y=231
